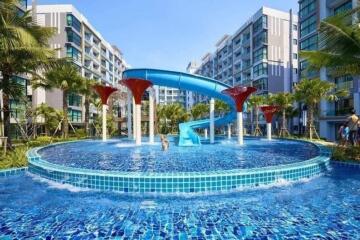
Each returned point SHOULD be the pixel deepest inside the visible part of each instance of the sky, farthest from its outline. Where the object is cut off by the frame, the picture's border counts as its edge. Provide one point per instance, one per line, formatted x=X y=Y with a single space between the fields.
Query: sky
x=168 y=34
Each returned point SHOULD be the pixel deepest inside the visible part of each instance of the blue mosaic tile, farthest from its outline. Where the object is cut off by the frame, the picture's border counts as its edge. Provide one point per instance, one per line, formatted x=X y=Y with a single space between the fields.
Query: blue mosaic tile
x=177 y=182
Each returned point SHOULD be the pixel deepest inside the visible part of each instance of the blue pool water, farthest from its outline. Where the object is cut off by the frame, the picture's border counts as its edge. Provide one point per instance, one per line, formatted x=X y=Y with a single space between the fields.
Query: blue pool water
x=123 y=155
x=326 y=207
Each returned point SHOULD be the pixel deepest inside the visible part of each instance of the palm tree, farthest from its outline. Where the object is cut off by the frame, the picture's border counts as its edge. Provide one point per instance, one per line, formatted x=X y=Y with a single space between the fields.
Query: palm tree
x=23 y=49
x=339 y=45
x=255 y=101
x=284 y=101
x=200 y=110
x=311 y=92
x=221 y=108
x=86 y=89
x=50 y=115
x=65 y=77
x=174 y=114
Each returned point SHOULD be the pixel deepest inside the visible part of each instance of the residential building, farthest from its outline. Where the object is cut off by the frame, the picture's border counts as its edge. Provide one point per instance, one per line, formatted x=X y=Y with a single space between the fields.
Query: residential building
x=262 y=53
x=77 y=39
x=167 y=95
x=332 y=114
x=191 y=68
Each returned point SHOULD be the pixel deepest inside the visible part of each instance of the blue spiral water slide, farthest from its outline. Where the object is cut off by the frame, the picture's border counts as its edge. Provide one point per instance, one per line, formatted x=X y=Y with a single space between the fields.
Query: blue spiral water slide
x=184 y=81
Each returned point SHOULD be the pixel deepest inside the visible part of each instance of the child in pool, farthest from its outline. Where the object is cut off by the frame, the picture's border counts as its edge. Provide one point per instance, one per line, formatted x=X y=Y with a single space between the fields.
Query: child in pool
x=164 y=142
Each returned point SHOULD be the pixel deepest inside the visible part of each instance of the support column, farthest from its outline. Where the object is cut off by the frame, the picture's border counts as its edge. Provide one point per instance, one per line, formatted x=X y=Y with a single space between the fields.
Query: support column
x=134 y=119
x=104 y=93
x=239 y=94
x=206 y=133
x=212 y=120
x=104 y=127
x=269 y=112
x=268 y=130
x=151 y=117
x=240 y=127
x=129 y=116
x=138 y=124
x=229 y=131
x=137 y=86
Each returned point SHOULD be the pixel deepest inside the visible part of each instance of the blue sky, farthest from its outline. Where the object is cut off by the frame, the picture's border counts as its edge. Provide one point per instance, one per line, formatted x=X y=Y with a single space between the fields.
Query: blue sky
x=167 y=34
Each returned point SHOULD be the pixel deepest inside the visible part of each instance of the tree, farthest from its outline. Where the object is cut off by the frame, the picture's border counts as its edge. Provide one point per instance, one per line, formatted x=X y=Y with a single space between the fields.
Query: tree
x=255 y=101
x=65 y=77
x=23 y=49
x=338 y=44
x=170 y=116
x=221 y=108
x=311 y=92
x=86 y=89
x=50 y=115
x=284 y=101
x=199 y=111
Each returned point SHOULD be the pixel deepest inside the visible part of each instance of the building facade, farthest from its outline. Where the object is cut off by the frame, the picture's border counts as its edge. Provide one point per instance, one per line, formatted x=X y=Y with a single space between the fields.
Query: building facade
x=332 y=114
x=78 y=40
x=262 y=53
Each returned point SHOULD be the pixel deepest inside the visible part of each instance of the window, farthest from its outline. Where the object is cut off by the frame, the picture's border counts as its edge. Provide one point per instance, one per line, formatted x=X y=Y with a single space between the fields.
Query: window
x=343 y=7
x=308 y=26
x=309 y=43
x=295 y=27
x=295 y=71
x=261 y=84
x=74 y=100
x=295 y=41
x=344 y=82
x=260 y=39
x=260 y=69
x=260 y=54
x=75 y=115
x=260 y=24
x=73 y=53
x=307 y=7
x=295 y=56
x=73 y=22
x=73 y=37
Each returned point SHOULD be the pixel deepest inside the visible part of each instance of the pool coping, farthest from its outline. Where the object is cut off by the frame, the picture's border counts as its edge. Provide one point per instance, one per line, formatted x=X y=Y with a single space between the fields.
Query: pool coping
x=12 y=171
x=34 y=158
x=188 y=181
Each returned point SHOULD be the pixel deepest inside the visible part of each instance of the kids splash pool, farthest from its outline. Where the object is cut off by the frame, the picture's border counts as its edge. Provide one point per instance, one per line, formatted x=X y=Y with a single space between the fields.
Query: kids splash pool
x=120 y=165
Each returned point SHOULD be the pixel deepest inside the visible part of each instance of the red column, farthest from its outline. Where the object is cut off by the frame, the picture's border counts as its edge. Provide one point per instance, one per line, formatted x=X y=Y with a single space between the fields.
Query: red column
x=269 y=112
x=240 y=94
x=104 y=93
x=137 y=87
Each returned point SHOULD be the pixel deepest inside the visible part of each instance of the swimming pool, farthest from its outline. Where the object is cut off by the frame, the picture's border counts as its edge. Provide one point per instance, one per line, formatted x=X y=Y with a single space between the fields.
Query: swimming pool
x=326 y=207
x=119 y=165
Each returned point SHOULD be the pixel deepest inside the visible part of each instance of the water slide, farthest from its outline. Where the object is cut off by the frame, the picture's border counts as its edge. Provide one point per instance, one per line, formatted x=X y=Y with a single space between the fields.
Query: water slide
x=184 y=81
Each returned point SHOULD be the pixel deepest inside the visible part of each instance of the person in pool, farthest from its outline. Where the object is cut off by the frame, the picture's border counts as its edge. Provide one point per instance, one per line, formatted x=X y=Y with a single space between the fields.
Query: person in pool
x=164 y=142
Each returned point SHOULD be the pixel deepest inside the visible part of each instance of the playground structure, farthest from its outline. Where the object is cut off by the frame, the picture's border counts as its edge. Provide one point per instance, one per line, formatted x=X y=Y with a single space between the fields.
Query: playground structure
x=269 y=112
x=138 y=80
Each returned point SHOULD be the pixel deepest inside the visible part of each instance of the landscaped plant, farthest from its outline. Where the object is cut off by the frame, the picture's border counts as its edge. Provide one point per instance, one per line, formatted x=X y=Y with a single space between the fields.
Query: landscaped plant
x=255 y=101
x=338 y=44
x=200 y=111
x=285 y=103
x=23 y=49
x=169 y=117
x=311 y=92
x=65 y=77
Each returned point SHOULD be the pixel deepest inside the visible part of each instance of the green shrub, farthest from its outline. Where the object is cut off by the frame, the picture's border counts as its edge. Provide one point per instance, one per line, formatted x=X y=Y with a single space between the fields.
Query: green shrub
x=346 y=153
x=15 y=158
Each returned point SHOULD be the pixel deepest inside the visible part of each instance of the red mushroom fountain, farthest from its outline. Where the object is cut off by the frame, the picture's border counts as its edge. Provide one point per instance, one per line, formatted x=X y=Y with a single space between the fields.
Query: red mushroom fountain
x=240 y=94
x=137 y=88
x=104 y=92
x=269 y=112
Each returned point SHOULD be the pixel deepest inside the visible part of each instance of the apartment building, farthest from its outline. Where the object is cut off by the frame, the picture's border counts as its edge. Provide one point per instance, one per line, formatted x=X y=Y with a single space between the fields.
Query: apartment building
x=332 y=114
x=77 y=39
x=262 y=53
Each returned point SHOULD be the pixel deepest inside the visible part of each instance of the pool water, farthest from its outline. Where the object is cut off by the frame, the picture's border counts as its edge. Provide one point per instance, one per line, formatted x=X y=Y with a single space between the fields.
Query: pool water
x=326 y=207
x=123 y=155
